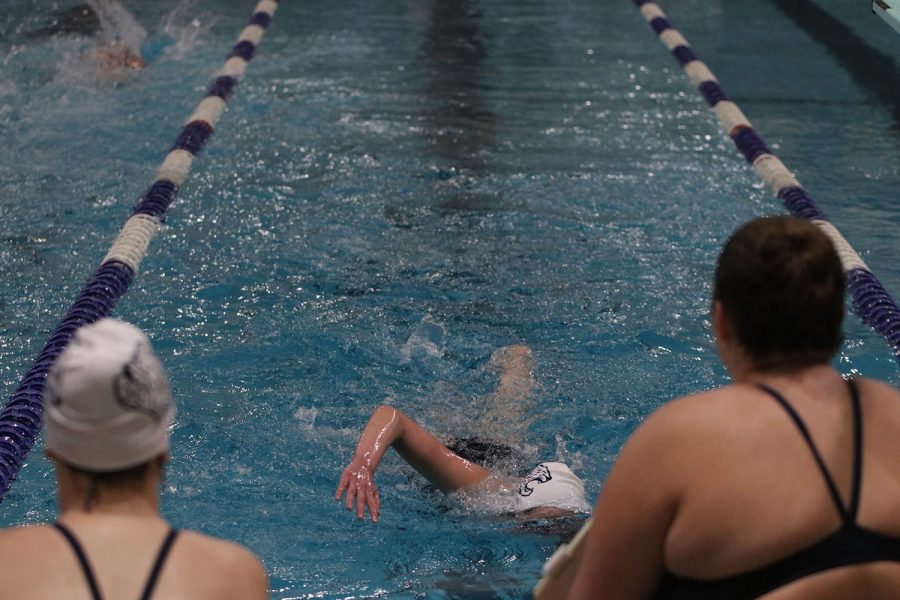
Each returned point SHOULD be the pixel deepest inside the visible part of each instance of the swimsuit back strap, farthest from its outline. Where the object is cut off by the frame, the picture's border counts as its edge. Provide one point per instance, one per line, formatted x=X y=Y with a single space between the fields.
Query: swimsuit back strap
x=82 y=559
x=158 y=564
x=829 y=480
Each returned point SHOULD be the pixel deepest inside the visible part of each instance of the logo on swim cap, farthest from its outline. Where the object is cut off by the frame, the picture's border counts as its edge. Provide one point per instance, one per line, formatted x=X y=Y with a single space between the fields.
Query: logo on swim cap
x=541 y=474
x=137 y=385
x=53 y=384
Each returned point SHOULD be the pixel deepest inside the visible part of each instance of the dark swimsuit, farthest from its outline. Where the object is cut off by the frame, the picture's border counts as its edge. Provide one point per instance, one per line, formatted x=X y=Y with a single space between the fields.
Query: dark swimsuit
x=89 y=572
x=849 y=545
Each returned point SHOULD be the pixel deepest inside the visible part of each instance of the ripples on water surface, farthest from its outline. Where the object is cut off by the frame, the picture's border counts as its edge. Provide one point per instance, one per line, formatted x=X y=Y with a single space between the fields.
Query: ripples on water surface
x=397 y=189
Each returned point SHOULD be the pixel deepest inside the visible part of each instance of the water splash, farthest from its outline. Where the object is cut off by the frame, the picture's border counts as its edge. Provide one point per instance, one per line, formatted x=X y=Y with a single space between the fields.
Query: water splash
x=427 y=340
x=306 y=417
x=181 y=31
x=118 y=26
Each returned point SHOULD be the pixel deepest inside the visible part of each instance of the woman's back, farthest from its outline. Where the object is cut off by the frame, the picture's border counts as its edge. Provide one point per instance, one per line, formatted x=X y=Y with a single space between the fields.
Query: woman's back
x=39 y=562
x=750 y=493
x=785 y=483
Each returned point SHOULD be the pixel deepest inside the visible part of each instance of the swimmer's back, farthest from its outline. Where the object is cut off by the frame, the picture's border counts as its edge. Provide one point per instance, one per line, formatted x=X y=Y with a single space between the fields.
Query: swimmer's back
x=38 y=563
x=749 y=492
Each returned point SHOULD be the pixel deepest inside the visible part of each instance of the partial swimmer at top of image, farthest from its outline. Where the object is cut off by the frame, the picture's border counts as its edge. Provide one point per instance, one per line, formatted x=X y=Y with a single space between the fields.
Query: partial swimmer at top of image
x=120 y=36
x=104 y=40
x=113 y=35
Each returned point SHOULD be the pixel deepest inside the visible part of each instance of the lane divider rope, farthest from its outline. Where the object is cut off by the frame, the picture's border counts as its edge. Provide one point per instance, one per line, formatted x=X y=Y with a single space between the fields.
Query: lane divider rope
x=871 y=302
x=20 y=418
x=889 y=12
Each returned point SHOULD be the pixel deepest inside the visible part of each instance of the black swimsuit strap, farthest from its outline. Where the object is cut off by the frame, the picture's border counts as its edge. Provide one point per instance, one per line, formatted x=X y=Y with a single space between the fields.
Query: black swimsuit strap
x=158 y=564
x=82 y=559
x=848 y=515
x=161 y=556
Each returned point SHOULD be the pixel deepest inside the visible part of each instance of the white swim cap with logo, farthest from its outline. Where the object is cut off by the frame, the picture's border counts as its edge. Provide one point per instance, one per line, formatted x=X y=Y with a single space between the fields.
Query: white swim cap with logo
x=552 y=484
x=107 y=404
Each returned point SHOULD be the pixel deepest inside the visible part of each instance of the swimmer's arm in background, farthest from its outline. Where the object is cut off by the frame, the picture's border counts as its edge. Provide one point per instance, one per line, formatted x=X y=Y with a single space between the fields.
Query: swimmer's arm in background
x=388 y=427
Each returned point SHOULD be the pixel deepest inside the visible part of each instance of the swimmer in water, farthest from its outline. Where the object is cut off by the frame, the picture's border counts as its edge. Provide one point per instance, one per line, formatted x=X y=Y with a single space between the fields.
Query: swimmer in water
x=116 y=56
x=551 y=490
x=112 y=55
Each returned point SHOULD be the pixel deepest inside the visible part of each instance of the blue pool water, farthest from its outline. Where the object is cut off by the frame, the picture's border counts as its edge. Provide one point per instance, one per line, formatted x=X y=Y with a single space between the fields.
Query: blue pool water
x=397 y=189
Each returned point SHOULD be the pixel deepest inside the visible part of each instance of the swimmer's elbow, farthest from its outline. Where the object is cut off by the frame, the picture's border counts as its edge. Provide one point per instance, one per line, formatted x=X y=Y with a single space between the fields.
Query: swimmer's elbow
x=385 y=412
x=390 y=422
x=388 y=413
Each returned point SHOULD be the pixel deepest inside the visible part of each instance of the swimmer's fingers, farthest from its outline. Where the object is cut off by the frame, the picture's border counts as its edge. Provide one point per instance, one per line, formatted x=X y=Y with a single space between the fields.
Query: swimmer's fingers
x=342 y=484
x=349 y=483
x=366 y=496
x=356 y=492
x=373 y=501
x=361 y=491
x=352 y=491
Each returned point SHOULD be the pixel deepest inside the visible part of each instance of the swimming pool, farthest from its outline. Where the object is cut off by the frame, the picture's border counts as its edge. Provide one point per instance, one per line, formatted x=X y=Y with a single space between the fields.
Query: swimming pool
x=396 y=190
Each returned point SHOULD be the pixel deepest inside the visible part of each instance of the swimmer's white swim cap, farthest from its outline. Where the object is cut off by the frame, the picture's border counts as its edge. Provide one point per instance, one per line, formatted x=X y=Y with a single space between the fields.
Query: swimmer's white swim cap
x=552 y=484
x=107 y=404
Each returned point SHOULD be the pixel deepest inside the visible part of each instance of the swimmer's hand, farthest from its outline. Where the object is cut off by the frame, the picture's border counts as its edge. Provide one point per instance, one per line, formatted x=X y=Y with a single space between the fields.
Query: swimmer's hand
x=359 y=483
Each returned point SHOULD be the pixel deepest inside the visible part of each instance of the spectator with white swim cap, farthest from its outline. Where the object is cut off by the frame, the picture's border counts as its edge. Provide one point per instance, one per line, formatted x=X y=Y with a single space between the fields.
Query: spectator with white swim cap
x=108 y=411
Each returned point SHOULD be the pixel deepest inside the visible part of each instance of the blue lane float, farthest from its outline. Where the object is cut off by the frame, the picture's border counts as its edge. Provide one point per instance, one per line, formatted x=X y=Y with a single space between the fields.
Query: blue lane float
x=870 y=300
x=20 y=418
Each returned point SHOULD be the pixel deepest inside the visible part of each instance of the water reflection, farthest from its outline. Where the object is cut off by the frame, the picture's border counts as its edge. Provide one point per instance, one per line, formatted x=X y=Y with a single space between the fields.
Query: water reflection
x=460 y=129
x=78 y=20
x=873 y=70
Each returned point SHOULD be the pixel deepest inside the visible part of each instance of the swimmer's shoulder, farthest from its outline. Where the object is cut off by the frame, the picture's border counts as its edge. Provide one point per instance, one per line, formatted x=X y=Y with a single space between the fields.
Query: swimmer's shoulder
x=22 y=539
x=690 y=412
x=736 y=411
x=224 y=569
x=880 y=404
x=25 y=552
x=224 y=552
x=686 y=427
x=873 y=390
x=17 y=531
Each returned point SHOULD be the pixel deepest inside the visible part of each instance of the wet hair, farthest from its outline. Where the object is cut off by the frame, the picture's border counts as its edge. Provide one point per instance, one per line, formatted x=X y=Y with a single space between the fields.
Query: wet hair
x=484 y=452
x=781 y=283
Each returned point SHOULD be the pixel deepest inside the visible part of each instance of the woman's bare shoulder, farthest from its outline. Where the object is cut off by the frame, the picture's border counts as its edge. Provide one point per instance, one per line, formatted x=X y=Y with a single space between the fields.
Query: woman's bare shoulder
x=221 y=568
x=25 y=550
x=694 y=412
x=693 y=426
x=873 y=388
x=28 y=534
x=881 y=409
x=216 y=549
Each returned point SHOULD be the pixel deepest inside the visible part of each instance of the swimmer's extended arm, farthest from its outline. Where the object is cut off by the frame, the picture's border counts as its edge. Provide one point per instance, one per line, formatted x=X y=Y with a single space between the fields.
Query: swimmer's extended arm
x=388 y=427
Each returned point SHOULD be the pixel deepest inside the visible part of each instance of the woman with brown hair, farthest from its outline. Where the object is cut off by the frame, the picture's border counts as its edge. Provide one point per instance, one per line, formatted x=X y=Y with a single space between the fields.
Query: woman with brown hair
x=784 y=484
